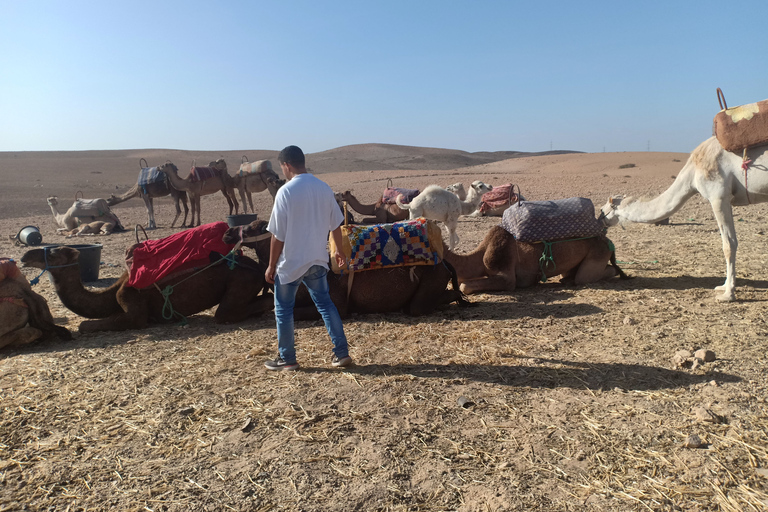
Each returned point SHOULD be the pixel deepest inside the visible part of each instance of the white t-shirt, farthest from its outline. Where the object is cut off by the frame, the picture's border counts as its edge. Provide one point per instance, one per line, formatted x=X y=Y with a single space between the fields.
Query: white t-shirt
x=305 y=211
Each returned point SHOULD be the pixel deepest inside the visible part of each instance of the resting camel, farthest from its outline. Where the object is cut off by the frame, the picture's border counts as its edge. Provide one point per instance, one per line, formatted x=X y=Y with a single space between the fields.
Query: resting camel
x=24 y=315
x=500 y=263
x=84 y=210
x=719 y=177
x=98 y=227
x=382 y=212
x=437 y=203
x=256 y=177
x=417 y=290
x=196 y=189
x=121 y=307
x=150 y=191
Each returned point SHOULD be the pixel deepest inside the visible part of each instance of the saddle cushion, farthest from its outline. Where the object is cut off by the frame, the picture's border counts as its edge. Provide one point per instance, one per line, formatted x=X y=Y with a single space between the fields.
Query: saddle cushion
x=742 y=127
x=203 y=173
x=540 y=221
x=150 y=261
x=501 y=195
x=370 y=247
x=8 y=269
x=149 y=175
x=391 y=193
x=259 y=166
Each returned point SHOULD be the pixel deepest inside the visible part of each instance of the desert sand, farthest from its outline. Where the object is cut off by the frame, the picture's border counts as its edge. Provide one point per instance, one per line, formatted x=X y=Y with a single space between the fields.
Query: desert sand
x=548 y=398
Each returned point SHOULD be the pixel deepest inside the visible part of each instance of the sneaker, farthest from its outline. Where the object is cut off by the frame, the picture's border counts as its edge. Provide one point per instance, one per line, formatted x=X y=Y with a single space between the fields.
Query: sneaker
x=279 y=364
x=342 y=362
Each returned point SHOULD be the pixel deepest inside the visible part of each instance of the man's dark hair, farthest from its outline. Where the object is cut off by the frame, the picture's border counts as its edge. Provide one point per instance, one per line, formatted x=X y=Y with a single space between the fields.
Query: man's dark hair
x=292 y=155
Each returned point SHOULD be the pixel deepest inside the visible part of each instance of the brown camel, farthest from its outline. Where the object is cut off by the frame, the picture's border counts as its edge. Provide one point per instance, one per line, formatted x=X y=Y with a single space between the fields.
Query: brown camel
x=222 y=182
x=383 y=213
x=24 y=314
x=255 y=177
x=121 y=307
x=151 y=190
x=500 y=263
x=417 y=290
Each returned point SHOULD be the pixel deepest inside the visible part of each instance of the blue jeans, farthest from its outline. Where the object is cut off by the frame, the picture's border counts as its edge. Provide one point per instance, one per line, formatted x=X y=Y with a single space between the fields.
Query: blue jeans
x=285 y=298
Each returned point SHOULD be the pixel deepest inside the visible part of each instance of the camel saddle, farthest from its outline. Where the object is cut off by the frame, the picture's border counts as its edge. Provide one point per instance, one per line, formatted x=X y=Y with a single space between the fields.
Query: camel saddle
x=399 y=244
x=87 y=208
x=149 y=175
x=151 y=260
x=545 y=221
x=501 y=195
x=391 y=193
x=203 y=173
x=739 y=128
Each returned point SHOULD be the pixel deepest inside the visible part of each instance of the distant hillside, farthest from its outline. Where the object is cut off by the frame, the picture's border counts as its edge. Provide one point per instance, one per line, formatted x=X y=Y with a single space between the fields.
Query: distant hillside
x=376 y=157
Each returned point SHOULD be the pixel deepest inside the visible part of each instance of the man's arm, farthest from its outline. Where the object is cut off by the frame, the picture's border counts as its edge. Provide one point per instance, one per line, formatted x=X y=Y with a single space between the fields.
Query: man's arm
x=275 y=249
x=341 y=259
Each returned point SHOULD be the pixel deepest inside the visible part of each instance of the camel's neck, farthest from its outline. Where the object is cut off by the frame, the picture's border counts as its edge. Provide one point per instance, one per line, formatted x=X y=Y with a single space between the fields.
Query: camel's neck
x=55 y=211
x=670 y=201
x=471 y=203
x=87 y=303
x=364 y=209
x=468 y=266
x=133 y=192
x=176 y=181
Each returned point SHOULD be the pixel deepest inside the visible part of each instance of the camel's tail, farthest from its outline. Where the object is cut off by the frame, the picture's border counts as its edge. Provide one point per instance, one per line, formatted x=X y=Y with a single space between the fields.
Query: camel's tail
x=400 y=204
x=621 y=273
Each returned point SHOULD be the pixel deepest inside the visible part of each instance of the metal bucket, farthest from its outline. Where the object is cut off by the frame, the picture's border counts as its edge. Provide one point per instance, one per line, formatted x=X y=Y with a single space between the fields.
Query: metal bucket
x=241 y=220
x=29 y=235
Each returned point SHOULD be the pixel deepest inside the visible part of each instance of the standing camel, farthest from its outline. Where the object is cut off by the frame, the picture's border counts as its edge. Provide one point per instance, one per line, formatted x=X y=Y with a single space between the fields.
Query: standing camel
x=151 y=190
x=382 y=212
x=195 y=188
x=255 y=177
x=723 y=178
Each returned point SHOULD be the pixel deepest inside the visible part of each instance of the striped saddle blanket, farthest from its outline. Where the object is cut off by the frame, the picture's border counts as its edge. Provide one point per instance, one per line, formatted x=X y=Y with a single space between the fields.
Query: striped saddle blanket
x=543 y=221
x=256 y=167
x=149 y=175
x=501 y=195
x=203 y=173
x=377 y=246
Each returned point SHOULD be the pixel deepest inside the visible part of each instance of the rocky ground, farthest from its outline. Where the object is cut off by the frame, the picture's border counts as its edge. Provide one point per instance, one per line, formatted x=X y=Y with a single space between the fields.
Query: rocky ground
x=549 y=398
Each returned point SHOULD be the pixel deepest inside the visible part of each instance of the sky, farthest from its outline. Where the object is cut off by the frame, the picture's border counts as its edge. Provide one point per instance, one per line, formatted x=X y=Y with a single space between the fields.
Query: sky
x=476 y=75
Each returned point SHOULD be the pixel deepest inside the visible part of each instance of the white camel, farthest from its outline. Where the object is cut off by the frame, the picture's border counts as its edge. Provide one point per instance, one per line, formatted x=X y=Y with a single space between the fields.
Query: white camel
x=722 y=178
x=437 y=203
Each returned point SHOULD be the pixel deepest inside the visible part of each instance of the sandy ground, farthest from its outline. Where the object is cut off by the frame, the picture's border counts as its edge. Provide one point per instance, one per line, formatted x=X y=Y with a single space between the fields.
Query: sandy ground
x=571 y=399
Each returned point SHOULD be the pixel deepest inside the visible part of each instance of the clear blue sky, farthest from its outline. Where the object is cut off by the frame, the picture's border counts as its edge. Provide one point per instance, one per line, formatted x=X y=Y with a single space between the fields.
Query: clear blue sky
x=470 y=75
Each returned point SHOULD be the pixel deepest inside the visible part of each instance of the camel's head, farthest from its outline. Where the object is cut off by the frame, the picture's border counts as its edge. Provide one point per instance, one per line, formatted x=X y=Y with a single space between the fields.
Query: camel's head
x=609 y=212
x=53 y=201
x=273 y=184
x=47 y=257
x=219 y=164
x=481 y=188
x=168 y=167
x=253 y=235
x=458 y=190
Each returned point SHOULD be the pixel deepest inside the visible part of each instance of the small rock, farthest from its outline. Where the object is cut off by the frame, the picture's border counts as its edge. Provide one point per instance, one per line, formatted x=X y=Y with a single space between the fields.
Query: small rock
x=682 y=359
x=186 y=411
x=705 y=415
x=705 y=355
x=248 y=425
x=693 y=441
x=696 y=363
x=713 y=383
x=629 y=321
x=465 y=402
x=763 y=472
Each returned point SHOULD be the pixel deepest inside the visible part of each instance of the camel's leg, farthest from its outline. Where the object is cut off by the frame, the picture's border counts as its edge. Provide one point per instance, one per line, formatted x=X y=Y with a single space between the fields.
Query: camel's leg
x=183 y=198
x=250 y=201
x=236 y=308
x=135 y=314
x=20 y=336
x=178 y=211
x=150 y=211
x=724 y=217
x=195 y=200
x=497 y=283
x=241 y=190
x=453 y=239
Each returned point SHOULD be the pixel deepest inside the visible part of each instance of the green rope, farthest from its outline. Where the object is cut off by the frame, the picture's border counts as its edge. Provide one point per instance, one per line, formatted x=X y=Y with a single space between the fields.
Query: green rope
x=168 y=312
x=547 y=258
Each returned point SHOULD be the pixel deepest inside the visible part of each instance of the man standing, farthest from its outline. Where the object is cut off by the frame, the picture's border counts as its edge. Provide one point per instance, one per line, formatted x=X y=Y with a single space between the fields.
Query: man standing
x=305 y=211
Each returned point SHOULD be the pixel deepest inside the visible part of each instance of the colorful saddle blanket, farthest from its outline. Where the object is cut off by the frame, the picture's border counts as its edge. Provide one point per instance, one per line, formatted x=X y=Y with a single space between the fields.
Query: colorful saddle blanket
x=149 y=175
x=203 y=173
x=391 y=193
x=152 y=260
x=540 y=221
x=370 y=247
x=501 y=195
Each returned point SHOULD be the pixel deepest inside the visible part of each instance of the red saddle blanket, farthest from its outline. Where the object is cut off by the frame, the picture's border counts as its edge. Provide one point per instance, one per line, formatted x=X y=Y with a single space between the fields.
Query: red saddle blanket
x=391 y=193
x=150 y=261
x=203 y=173
x=501 y=195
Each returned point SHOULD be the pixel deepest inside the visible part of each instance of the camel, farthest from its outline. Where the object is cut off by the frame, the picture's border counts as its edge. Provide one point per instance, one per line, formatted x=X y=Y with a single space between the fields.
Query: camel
x=196 y=189
x=83 y=210
x=723 y=178
x=148 y=192
x=437 y=203
x=98 y=227
x=417 y=290
x=24 y=314
x=382 y=212
x=255 y=177
x=121 y=307
x=500 y=263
